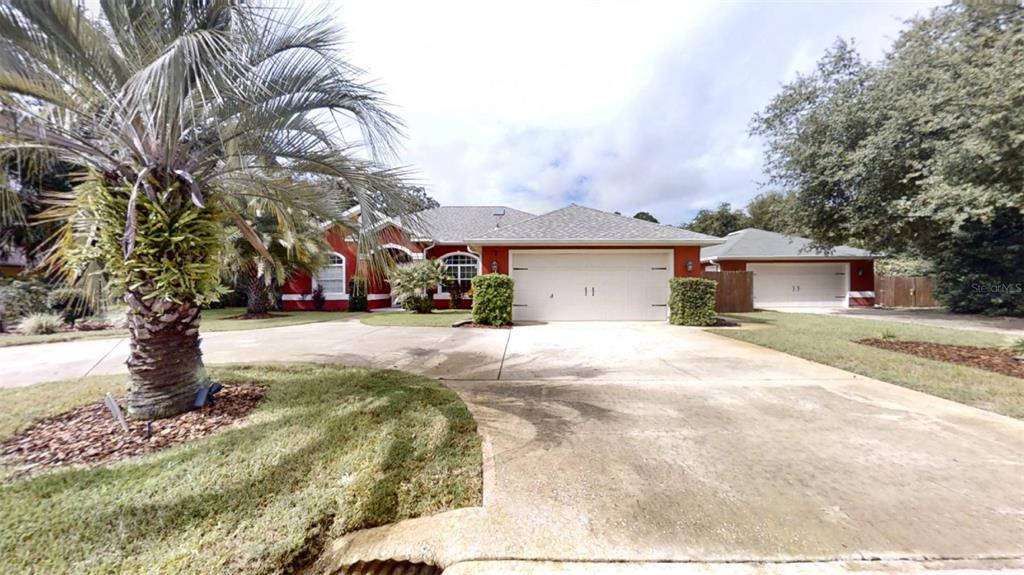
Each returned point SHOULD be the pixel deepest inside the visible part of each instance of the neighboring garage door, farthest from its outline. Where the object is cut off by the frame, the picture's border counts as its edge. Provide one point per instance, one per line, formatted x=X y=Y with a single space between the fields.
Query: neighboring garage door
x=821 y=284
x=591 y=285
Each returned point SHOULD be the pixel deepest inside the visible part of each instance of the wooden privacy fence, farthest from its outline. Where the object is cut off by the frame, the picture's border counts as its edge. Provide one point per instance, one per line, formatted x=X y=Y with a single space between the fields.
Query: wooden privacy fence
x=735 y=292
x=909 y=291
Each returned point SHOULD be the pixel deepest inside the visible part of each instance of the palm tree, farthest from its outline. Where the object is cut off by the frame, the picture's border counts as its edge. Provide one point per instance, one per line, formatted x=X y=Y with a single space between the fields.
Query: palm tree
x=172 y=111
x=301 y=247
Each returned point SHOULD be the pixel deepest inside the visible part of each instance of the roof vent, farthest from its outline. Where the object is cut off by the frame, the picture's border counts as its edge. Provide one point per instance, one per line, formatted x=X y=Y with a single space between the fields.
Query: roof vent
x=499 y=211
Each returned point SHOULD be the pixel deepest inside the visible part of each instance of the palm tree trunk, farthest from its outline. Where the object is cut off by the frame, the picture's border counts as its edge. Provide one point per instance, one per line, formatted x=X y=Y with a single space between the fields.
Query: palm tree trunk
x=258 y=294
x=166 y=365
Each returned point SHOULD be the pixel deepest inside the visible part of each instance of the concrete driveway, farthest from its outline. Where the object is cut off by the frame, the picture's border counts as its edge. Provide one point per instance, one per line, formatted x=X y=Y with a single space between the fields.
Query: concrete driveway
x=643 y=442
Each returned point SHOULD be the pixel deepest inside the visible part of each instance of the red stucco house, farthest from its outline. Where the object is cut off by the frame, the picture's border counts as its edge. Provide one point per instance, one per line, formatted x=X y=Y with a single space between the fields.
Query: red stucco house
x=789 y=272
x=569 y=264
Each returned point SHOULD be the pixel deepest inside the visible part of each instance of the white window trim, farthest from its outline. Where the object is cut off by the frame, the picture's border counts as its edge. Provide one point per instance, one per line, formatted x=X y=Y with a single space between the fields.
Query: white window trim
x=401 y=248
x=343 y=294
x=439 y=293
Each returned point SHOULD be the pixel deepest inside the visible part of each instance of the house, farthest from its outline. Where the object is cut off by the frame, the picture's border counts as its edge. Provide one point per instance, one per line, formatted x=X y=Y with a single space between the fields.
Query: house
x=573 y=263
x=13 y=262
x=789 y=272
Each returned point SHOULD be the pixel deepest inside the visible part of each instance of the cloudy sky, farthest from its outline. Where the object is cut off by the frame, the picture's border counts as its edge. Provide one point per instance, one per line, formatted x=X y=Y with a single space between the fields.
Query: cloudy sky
x=622 y=106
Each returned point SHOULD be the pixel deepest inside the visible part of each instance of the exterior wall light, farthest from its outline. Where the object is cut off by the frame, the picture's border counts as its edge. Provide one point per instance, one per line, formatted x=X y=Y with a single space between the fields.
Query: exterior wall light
x=689 y=266
x=494 y=266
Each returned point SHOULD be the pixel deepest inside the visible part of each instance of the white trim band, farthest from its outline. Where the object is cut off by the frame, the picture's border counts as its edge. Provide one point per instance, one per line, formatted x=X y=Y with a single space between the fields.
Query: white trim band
x=861 y=294
x=378 y=296
x=309 y=297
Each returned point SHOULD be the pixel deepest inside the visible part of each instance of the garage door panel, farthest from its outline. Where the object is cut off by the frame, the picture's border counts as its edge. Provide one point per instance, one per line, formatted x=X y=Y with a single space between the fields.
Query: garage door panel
x=590 y=285
x=821 y=284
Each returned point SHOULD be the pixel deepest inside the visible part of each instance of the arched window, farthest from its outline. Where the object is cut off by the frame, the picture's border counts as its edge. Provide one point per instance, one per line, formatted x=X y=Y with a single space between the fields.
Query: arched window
x=462 y=268
x=332 y=276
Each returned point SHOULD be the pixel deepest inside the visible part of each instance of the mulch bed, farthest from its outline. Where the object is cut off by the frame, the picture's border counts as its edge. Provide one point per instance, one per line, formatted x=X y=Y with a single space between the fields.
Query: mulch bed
x=484 y=326
x=89 y=434
x=987 y=358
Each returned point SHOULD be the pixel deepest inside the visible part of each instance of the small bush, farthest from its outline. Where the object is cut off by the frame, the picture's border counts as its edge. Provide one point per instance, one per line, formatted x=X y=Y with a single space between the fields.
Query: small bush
x=318 y=298
x=492 y=299
x=1015 y=346
x=22 y=298
x=71 y=303
x=455 y=294
x=412 y=284
x=357 y=295
x=888 y=334
x=691 y=301
x=41 y=323
x=418 y=303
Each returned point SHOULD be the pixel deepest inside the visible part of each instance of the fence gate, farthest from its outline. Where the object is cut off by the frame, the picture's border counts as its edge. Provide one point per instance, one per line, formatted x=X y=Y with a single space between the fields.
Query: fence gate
x=735 y=292
x=905 y=291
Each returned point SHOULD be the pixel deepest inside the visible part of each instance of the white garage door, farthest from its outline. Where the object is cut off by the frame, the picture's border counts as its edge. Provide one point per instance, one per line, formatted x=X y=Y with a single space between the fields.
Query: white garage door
x=820 y=284
x=591 y=285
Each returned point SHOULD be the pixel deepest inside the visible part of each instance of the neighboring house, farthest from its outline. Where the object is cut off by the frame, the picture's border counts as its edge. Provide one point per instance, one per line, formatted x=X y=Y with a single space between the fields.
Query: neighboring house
x=789 y=272
x=12 y=263
x=570 y=264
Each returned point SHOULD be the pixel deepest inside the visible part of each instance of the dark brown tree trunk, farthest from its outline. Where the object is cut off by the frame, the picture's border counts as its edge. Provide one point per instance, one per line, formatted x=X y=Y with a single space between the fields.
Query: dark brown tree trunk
x=166 y=365
x=258 y=294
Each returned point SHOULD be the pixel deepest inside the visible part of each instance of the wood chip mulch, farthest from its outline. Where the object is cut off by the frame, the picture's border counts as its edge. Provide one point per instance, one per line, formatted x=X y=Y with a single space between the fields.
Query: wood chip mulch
x=987 y=358
x=89 y=434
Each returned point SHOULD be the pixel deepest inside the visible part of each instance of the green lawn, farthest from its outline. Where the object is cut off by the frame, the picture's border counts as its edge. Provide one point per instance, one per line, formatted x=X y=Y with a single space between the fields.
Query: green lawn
x=437 y=318
x=221 y=319
x=330 y=449
x=830 y=340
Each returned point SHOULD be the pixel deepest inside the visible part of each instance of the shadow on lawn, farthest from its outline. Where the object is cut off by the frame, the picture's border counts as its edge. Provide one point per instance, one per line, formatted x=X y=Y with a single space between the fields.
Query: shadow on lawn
x=329 y=456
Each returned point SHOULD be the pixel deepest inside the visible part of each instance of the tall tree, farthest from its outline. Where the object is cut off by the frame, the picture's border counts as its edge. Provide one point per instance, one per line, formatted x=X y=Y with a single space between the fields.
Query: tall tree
x=718 y=222
x=419 y=199
x=646 y=216
x=171 y=110
x=918 y=154
x=774 y=212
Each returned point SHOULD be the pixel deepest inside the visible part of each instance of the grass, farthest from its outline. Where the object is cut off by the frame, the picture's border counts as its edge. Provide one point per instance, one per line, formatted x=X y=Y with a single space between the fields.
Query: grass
x=331 y=449
x=15 y=339
x=221 y=319
x=438 y=318
x=830 y=340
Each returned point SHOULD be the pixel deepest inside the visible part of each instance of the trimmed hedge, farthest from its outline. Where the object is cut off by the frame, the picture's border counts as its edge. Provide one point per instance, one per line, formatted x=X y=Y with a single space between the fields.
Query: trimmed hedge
x=357 y=294
x=691 y=301
x=492 y=299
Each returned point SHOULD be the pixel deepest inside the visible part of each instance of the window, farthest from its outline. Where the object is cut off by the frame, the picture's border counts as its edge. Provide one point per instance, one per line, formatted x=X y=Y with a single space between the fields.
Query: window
x=332 y=276
x=461 y=268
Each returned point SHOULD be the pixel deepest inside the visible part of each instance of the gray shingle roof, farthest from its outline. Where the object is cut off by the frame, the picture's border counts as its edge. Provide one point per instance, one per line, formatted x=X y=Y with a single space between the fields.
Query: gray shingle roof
x=453 y=224
x=753 y=243
x=580 y=225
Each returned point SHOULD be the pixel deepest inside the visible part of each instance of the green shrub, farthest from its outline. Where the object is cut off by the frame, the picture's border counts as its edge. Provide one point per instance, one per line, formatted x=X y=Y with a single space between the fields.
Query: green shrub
x=412 y=284
x=418 y=303
x=691 y=301
x=69 y=302
x=41 y=323
x=492 y=299
x=21 y=298
x=357 y=295
x=319 y=299
x=1015 y=346
x=888 y=334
